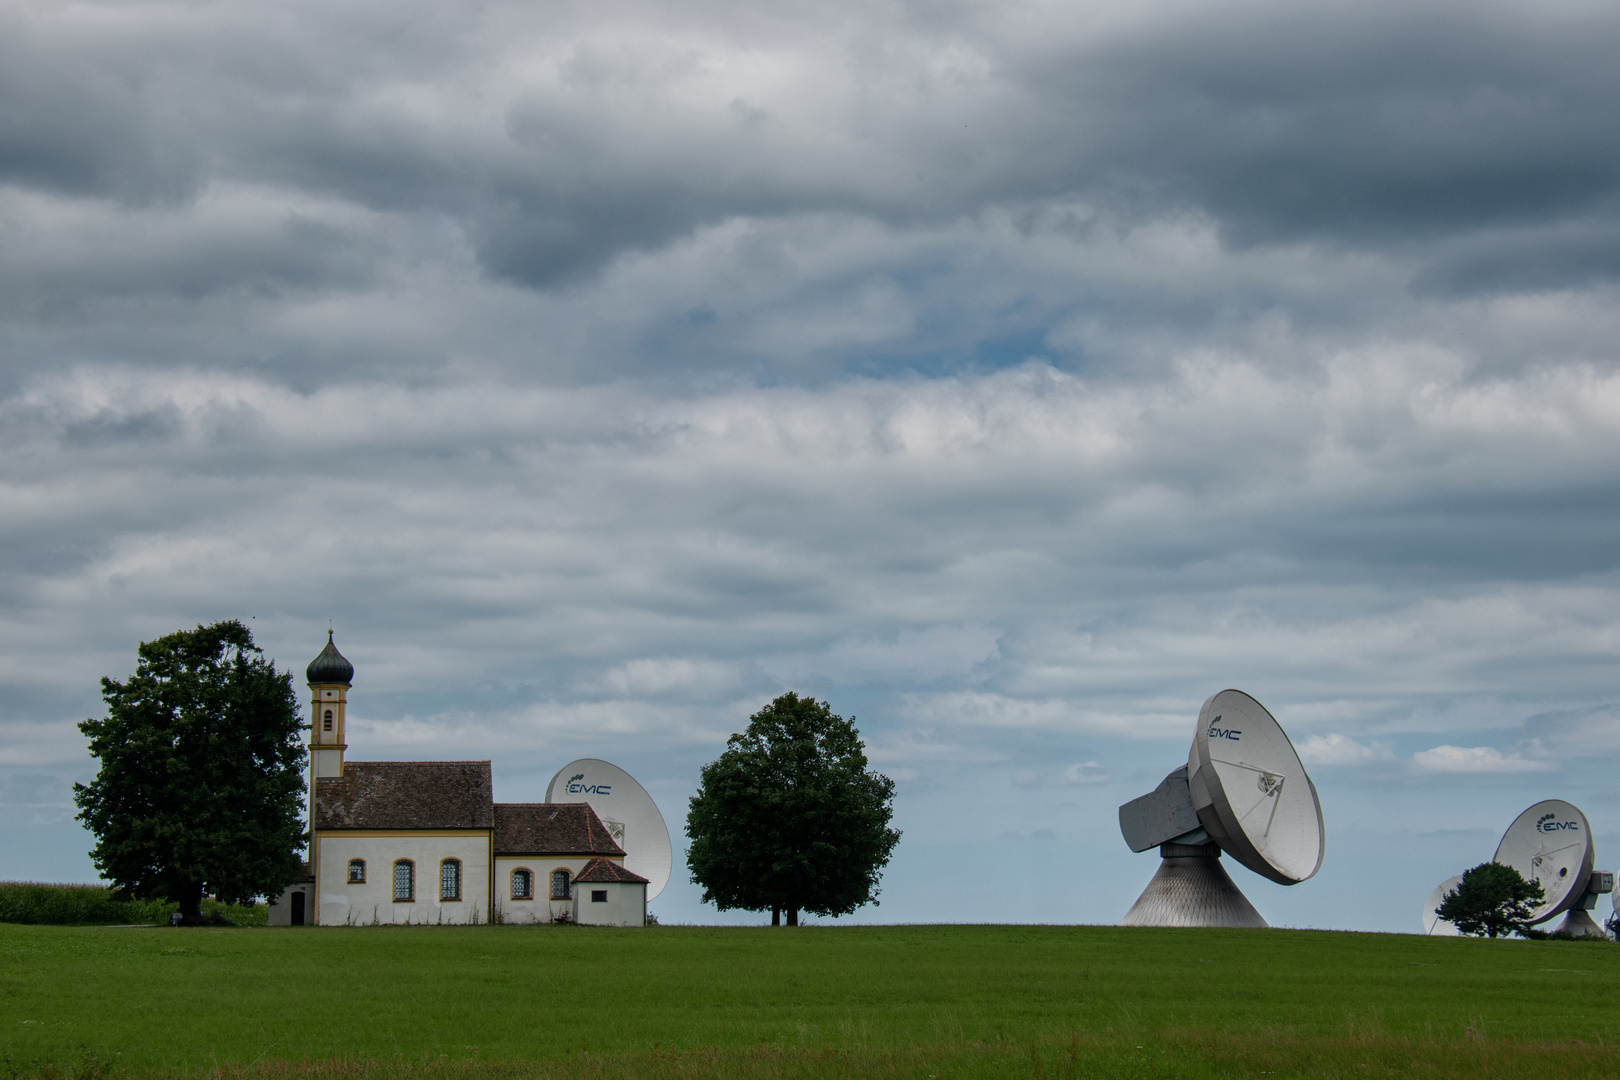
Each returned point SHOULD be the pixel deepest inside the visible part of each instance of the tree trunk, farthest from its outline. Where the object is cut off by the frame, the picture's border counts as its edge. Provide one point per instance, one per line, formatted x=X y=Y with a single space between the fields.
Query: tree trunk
x=191 y=904
x=793 y=916
x=776 y=916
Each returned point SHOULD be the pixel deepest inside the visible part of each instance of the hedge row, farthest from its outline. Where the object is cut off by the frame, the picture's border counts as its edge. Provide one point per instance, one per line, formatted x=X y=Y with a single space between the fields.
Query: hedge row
x=68 y=905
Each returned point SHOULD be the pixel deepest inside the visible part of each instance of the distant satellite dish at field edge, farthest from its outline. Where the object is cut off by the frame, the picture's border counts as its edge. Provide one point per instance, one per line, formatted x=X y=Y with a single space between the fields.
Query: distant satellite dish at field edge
x=1243 y=791
x=1434 y=925
x=1551 y=843
x=626 y=809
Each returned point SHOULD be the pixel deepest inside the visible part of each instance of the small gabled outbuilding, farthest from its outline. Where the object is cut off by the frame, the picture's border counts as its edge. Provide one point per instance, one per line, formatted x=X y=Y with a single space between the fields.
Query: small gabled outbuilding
x=606 y=894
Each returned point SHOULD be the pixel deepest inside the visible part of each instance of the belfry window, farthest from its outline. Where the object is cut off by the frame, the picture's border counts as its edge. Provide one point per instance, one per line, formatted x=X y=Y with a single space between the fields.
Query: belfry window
x=357 y=871
x=522 y=885
x=404 y=881
x=450 y=879
x=326 y=721
x=560 y=881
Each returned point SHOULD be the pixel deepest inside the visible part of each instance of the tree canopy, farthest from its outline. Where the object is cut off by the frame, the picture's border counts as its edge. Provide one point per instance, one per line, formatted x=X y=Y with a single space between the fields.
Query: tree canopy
x=201 y=783
x=1492 y=900
x=789 y=818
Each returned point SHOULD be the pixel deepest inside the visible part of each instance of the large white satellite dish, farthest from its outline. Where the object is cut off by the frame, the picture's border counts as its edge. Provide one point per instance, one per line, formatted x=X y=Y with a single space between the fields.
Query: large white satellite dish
x=1251 y=791
x=626 y=809
x=1550 y=843
x=1243 y=791
x=1434 y=925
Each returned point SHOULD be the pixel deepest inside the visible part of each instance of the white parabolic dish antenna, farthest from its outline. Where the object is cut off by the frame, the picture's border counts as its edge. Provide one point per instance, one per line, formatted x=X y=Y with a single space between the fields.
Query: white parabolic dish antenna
x=1243 y=791
x=1434 y=925
x=626 y=809
x=1251 y=791
x=1551 y=843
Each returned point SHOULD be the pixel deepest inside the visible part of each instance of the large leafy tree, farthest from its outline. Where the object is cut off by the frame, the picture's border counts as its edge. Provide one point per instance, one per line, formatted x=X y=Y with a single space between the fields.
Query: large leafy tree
x=789 y=818
x=201 y=785
x=1491 y=900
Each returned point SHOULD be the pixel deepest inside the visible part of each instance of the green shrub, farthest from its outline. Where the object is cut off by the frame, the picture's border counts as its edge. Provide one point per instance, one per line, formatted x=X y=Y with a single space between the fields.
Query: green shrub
x=41 y=903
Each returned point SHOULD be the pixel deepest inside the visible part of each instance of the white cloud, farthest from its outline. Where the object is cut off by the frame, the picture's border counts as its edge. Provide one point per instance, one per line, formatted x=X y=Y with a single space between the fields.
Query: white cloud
x=1476 y=759
x=922 y=655
x=1086 y=772
x=1336 y=749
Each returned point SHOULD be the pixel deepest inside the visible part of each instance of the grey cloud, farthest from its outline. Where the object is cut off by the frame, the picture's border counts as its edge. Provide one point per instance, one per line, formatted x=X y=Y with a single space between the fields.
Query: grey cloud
x=1377 y=126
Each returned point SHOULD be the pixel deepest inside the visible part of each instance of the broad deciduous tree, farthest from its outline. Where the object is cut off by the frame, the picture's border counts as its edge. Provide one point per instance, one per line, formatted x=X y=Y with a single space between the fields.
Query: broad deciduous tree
x=1492 y=900
x=789 y=818
x=201 y=783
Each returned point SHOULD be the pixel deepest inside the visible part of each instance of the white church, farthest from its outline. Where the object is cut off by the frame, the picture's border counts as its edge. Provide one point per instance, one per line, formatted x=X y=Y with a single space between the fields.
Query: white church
x=425 y=841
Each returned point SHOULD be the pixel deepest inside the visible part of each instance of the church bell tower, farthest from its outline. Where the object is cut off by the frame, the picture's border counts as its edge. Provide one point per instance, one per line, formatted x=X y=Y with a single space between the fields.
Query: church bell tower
x=329 y=676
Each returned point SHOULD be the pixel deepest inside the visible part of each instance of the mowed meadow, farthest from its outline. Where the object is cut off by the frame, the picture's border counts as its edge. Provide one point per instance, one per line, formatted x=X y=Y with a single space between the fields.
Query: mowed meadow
x=914 y=1001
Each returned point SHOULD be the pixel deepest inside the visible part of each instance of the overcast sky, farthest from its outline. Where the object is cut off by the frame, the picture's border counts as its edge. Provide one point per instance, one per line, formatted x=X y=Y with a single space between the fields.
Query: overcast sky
x=1011 y=376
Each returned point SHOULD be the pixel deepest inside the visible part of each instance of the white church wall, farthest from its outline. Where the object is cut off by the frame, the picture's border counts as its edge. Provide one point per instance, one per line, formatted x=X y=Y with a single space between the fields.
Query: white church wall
x=542 y=908
x=372 y=902
x=281 y=907
x=610 y=904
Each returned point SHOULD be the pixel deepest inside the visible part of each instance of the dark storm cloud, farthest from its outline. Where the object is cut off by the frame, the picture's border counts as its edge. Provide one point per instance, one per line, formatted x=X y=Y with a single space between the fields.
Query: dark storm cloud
x=1425 y=131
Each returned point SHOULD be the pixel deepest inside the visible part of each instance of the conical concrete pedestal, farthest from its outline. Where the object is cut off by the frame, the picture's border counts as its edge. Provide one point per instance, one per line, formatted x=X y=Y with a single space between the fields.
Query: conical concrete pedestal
x=1580 y=922
x=1192 y=888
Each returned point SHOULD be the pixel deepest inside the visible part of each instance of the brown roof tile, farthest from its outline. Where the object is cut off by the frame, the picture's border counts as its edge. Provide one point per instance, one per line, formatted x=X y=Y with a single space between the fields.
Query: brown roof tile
x=406 y=795
x=599 y=870
x=551 y=829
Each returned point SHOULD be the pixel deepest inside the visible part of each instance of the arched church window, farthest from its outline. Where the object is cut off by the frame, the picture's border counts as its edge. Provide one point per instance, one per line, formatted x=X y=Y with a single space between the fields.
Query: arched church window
x=357 y=871
x=450 y=879
x=404 y=881
x=326 y=721
x=522 y=885
x=560 y=880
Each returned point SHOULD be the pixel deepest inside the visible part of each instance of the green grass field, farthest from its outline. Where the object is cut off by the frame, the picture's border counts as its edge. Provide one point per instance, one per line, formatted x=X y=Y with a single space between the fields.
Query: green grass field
x=915 y=1001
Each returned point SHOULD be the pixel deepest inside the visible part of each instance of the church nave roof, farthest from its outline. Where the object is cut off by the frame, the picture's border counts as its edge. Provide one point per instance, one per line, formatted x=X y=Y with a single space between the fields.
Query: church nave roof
x=406 y=795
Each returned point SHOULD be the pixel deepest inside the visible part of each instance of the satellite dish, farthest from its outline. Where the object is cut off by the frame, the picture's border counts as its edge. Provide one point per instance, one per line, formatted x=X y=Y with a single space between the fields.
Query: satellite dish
x=626 y=809
x=1252 y=793
x=1243 y=791
x=1434 y=925
x=1550 y=843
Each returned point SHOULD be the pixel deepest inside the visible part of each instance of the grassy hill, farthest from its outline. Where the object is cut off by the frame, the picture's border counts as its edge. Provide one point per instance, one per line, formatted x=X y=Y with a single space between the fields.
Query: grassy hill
x=923 y=1001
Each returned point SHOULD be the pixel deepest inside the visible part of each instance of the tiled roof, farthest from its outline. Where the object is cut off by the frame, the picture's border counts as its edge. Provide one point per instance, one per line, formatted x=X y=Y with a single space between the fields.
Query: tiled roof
x=406 y=795
x=598 y=871
x=551 y=829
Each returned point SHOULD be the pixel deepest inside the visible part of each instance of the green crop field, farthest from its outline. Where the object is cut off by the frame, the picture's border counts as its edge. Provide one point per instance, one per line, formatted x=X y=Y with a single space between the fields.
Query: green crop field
x=913 y=1001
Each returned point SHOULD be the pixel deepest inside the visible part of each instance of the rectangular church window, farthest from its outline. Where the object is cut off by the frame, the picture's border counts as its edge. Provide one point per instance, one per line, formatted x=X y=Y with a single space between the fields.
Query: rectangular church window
x=598 y=896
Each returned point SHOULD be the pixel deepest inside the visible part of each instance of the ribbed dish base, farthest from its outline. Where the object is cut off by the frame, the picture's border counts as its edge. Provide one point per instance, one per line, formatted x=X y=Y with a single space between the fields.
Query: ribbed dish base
x=1579 y=922
x=1192 y=890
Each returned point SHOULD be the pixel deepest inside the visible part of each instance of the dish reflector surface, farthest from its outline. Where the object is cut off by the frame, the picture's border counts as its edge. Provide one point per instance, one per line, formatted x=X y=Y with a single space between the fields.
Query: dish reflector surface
x=1434 y=925
x=1251 y=791
x=625 y=808
x=1551 y=843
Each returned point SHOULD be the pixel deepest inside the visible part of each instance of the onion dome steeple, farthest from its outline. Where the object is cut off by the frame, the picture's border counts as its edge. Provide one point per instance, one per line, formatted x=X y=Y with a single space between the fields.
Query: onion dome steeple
x=329 y=666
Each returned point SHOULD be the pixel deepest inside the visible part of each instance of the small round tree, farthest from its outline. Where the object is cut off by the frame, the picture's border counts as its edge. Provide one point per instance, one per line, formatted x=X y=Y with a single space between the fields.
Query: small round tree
x=1492 y=900
x=788 y=818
